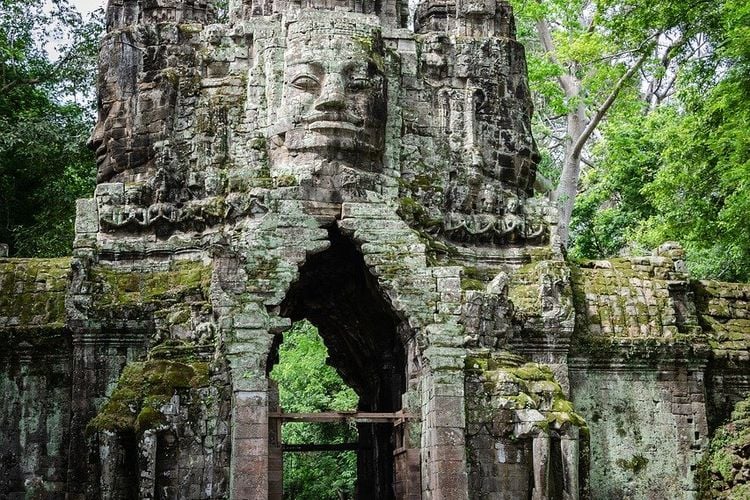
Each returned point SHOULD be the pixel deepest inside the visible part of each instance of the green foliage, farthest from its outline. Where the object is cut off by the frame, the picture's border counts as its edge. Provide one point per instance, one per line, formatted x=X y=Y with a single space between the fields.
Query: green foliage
x=611 y=205
x=702 y=192
x=307 y=384
x=674 y=169
x=44 y=163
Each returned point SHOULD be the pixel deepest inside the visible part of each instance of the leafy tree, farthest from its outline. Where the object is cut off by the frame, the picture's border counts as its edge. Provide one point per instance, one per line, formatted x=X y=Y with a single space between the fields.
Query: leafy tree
x=642 y=113
x=307 y=384
x=45 y=119
x=702 y=192
x=611 y=207
x=584 y=58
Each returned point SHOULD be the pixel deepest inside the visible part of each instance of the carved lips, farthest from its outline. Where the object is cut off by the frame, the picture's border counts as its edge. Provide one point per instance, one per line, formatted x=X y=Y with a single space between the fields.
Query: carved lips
x=342 y=120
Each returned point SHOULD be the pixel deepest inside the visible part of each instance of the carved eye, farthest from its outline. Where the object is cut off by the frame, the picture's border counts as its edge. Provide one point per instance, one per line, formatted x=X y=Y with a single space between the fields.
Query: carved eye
x=306 y=82
x=358 y=84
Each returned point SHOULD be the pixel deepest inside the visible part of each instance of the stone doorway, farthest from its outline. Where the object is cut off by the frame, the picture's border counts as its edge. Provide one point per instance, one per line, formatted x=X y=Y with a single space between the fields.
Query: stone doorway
x=368 y=344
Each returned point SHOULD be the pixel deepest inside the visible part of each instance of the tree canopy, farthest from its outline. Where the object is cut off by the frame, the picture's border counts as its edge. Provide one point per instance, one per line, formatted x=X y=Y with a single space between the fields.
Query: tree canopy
x=642 y=115
x=47 y=65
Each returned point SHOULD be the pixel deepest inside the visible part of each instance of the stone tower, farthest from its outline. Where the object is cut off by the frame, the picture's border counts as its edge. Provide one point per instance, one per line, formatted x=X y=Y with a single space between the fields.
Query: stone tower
x=370 y=170
x=316 y=160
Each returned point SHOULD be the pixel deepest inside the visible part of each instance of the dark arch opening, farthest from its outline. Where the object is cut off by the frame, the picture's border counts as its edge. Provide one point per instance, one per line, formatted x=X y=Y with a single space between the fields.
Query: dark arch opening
x=337 y=293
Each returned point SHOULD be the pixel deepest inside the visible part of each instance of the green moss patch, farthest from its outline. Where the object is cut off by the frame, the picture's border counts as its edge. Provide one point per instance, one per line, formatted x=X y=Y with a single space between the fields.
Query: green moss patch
x=143 y=388
x=525 y=386
x=125 y=287
x=32 y=293
x=635 y=465
x=725 y=467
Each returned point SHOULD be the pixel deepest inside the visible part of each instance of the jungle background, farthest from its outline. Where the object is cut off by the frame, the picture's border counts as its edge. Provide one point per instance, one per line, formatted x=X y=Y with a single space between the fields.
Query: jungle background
x=642 y=116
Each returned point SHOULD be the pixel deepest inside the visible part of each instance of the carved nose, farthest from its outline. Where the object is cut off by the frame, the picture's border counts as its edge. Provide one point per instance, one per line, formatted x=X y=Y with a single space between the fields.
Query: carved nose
x=96 y=137
x=332 y=95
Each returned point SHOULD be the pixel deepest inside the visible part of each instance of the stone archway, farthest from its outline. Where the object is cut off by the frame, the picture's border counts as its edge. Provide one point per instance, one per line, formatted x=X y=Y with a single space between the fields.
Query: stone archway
x=367 y=344
x=363 y=269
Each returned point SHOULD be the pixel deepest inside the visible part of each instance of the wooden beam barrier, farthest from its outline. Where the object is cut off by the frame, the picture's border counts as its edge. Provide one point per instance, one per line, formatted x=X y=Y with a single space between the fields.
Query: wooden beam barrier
x=305 y=448
x=361 y=417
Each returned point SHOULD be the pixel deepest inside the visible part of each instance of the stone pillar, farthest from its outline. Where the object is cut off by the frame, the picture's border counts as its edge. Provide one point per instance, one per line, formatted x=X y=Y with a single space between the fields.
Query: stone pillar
x=540 y=465
x=147 y=464
x=248 y=354
x=443 y=437
x=249 y=469
x=275 y=454
x=569 y=446
x=108 y=455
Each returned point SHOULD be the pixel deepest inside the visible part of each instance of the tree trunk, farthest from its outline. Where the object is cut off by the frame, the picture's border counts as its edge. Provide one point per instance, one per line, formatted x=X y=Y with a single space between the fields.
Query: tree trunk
x=568 y=187
x=580 y=128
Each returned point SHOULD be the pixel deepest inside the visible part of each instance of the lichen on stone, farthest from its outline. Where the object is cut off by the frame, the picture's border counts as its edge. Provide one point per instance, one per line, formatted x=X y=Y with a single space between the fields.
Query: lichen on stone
x=724 y=471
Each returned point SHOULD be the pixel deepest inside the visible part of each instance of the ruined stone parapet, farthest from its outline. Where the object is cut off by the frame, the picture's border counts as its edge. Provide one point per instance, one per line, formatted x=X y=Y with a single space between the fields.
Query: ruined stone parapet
x=32 y=295
x=634 y=298
x=724 y=313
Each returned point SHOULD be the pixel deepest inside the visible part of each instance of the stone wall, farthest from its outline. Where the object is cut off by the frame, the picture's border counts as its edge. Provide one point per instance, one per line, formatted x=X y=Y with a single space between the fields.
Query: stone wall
x=36 y=368
x=647 y=423
x=724 y=314
x=57 y=381
x=654 y=358
x=657 y=361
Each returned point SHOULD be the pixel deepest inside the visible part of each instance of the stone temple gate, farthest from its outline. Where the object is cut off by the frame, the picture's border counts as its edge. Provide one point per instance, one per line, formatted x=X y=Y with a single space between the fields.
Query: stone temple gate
x=371 y=170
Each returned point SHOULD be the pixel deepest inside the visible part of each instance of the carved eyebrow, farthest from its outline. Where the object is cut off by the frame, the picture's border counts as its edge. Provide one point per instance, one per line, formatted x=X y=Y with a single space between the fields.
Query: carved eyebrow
x=356 y=65
x=313 y=66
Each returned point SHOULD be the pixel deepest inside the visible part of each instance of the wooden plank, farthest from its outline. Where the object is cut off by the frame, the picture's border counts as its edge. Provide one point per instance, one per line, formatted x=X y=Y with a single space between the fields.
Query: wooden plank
x=305 y=448
x=343 y=416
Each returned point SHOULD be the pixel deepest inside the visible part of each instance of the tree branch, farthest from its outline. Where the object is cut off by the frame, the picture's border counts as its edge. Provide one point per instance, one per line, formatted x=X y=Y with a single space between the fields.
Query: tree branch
x=545 y=36
x=15 y=83
x=608 y=102
x=47 y=75
x=587 y=163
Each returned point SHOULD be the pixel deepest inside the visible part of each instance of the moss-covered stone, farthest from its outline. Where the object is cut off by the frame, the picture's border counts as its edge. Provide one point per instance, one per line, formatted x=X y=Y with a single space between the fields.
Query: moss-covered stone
x=471 y=284
x=523 y=386
x=143 y=388
x=32 y=293
x=635 y=465
x=119 y=288
x=724 y=471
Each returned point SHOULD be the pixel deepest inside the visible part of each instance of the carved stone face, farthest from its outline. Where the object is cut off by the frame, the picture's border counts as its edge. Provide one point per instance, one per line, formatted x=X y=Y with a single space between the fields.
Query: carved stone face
x=132 y=114
x=333 y=102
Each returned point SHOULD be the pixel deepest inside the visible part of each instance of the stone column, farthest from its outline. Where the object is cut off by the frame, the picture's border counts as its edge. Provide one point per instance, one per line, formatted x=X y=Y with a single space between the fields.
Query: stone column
x=569 y=446
x=540 y=464
x=147 y=464
x=443 y=436
x=249 y=469
x=248 y=354
x=108 y=455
